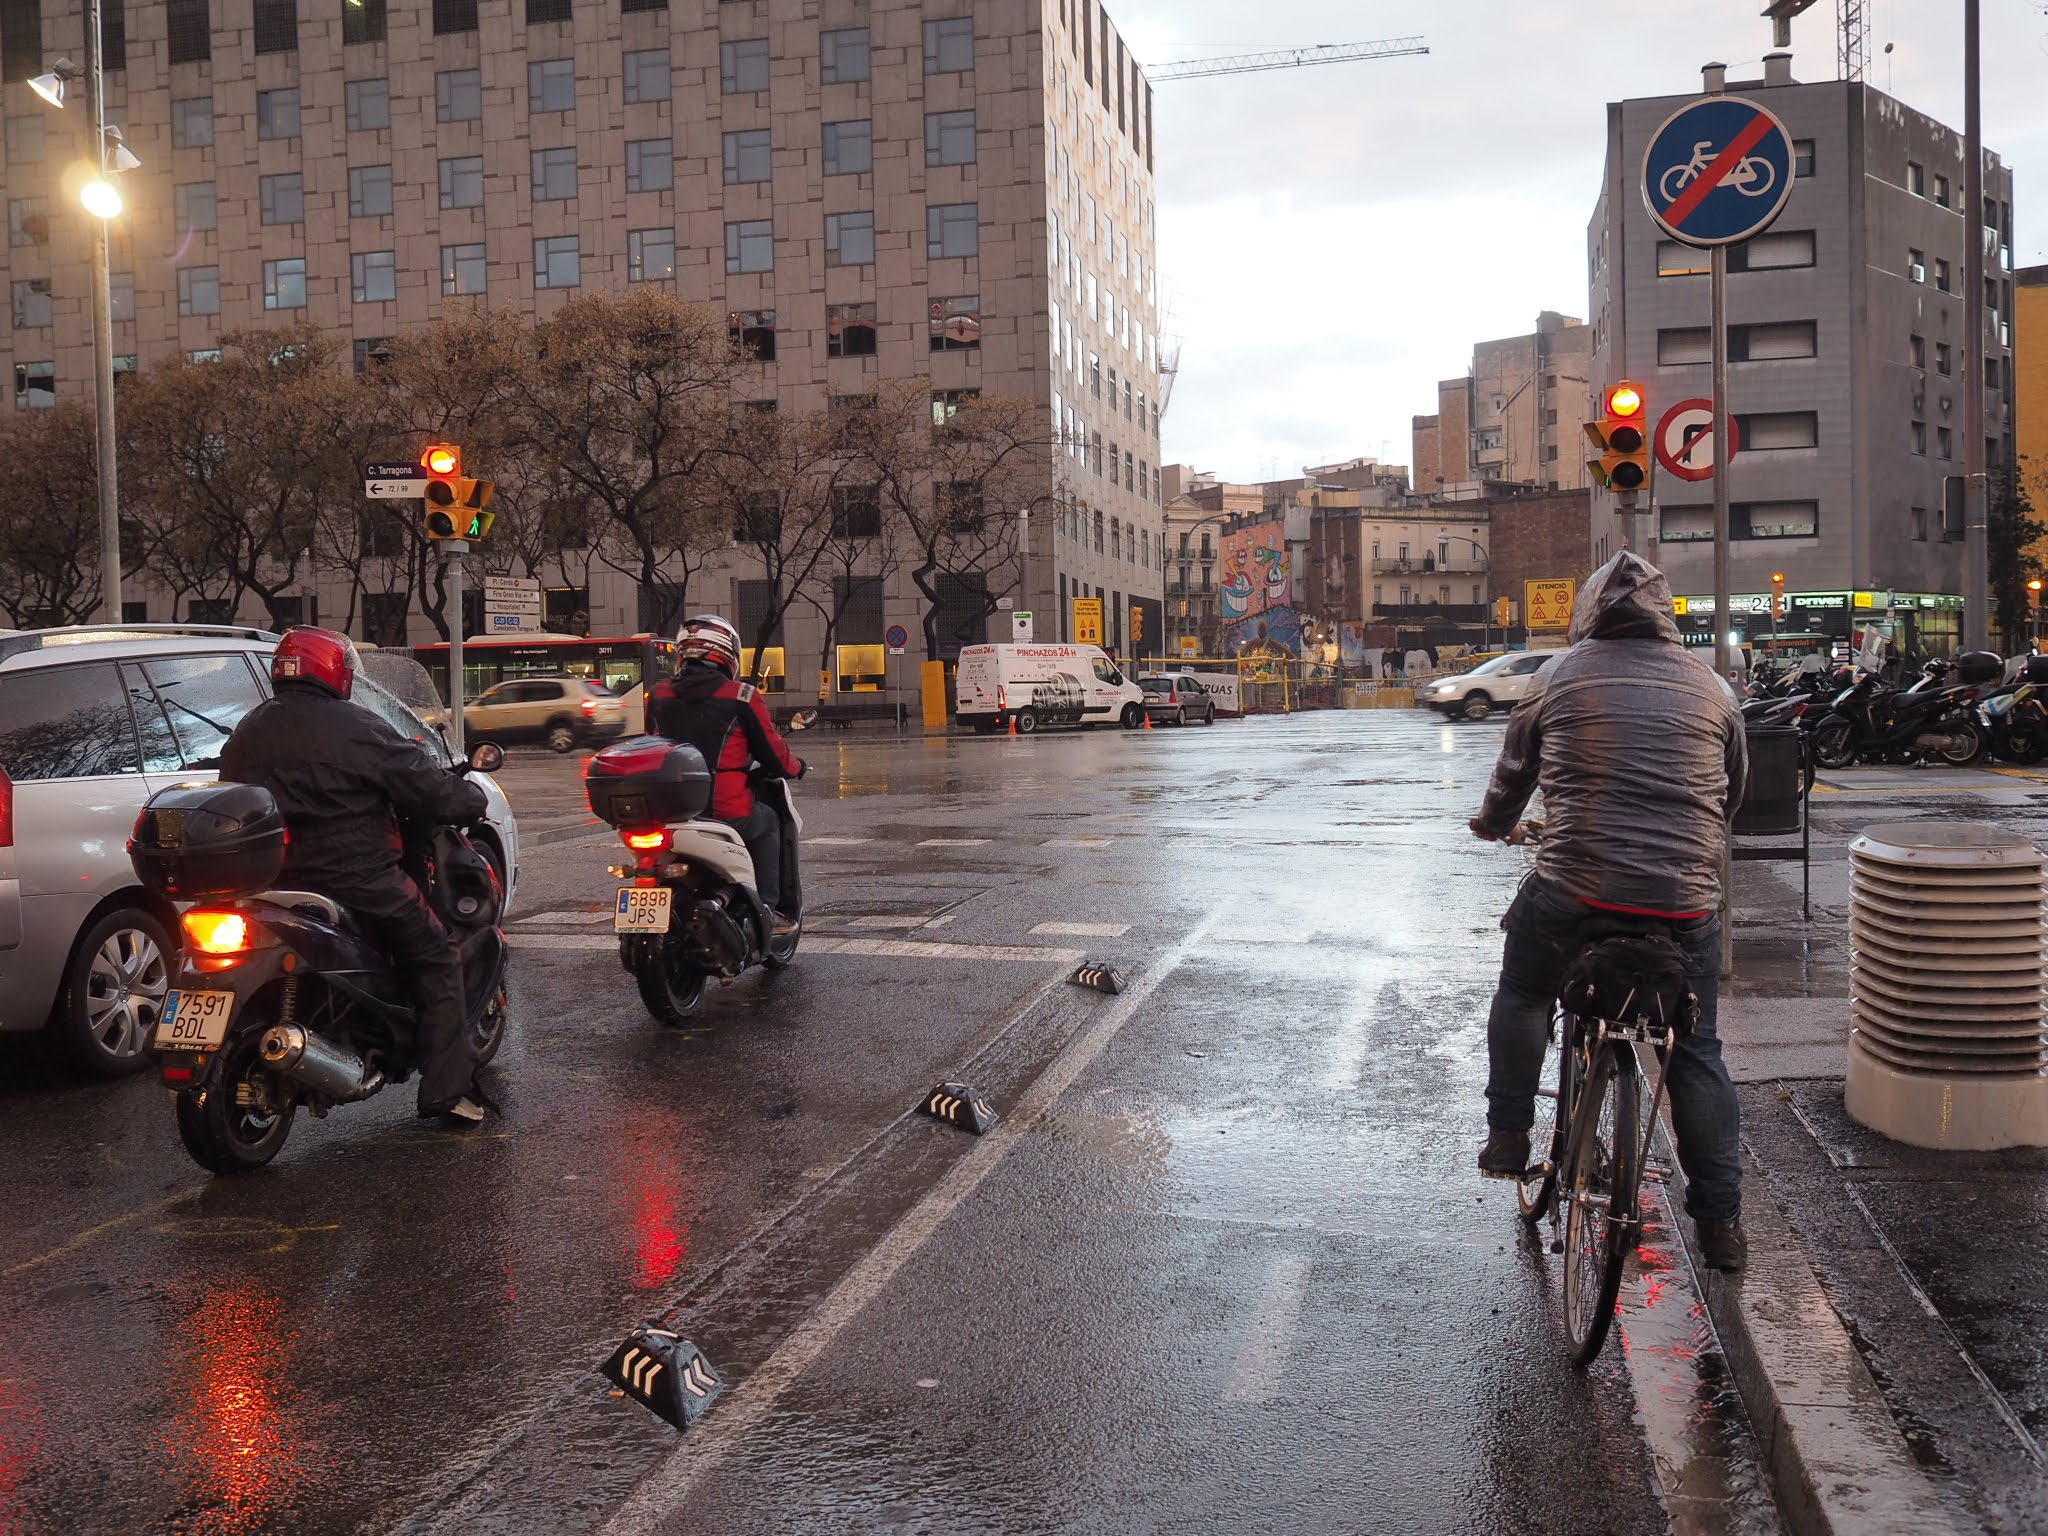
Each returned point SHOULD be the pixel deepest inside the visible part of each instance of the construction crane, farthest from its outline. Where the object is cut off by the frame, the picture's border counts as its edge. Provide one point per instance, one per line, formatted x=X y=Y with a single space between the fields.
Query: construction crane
x=1287 y=58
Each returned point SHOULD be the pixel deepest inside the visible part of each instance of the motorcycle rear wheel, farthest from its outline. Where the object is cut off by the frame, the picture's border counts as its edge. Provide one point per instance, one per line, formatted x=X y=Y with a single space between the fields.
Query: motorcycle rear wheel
x=222 y=1135
x=1834 y=744
x=1967 y=744
x=487 y=1031
x=781 y=951
x=670 y=987
x=2024 y=747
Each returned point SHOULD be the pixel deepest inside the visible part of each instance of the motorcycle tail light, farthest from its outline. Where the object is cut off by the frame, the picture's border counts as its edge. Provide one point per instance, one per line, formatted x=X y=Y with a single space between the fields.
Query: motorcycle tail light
x=220 y=933
x=646 y=842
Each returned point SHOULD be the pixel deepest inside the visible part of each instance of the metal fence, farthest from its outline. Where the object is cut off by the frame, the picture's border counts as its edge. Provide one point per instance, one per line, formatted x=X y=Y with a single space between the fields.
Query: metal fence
x=1257 y=685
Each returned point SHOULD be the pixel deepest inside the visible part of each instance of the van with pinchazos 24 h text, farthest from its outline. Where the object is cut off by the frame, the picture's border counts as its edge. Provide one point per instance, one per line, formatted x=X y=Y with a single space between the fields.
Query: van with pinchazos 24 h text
x=1043 y=685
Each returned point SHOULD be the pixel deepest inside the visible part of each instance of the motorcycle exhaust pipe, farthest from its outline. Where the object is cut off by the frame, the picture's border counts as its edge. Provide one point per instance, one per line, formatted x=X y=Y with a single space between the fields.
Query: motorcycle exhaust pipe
x=314 y=1063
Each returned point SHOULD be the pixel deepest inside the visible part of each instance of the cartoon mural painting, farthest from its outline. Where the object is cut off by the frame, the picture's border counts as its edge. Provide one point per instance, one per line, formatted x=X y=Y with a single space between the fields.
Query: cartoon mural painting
x=1257 y=574
x=1236 y=593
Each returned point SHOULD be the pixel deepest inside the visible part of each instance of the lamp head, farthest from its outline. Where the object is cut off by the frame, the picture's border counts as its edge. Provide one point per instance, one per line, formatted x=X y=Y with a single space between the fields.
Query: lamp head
x=119 y=156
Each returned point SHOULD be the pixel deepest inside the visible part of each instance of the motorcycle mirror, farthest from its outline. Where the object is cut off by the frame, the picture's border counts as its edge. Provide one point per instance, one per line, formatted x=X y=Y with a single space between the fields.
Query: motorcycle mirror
x=486 y=757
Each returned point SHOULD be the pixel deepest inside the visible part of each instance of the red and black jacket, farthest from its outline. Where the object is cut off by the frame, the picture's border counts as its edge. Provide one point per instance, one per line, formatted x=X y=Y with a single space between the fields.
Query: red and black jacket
x=728 y=722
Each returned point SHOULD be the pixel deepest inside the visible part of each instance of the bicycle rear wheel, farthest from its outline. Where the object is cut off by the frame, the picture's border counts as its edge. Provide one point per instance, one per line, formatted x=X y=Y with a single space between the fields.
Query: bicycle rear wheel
x=1600 y=1177
x=1546 y=1137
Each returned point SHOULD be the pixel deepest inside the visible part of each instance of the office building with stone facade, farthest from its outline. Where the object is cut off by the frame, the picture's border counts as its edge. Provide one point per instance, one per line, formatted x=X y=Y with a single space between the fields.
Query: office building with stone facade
x=958 y=192
x=1515 y=419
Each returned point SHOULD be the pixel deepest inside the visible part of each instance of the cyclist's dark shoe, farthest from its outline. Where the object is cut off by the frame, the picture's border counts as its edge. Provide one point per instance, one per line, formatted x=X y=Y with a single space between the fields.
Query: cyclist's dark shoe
x=1722 y=1245
x=782 y=927
x=1505 y=1155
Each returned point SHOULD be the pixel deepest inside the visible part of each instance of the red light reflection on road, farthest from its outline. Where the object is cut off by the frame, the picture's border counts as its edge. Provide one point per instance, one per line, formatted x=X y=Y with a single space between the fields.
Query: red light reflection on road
x=240 y=1440
x=658 y=1181
x=20 y=1447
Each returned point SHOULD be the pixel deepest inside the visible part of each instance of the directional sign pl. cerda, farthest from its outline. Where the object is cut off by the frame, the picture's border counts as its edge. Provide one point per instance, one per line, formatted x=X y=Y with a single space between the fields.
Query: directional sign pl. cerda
x=1718 y=171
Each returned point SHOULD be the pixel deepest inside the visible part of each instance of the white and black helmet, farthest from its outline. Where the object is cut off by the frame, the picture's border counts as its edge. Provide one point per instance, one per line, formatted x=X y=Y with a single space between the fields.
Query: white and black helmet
x=708 y=638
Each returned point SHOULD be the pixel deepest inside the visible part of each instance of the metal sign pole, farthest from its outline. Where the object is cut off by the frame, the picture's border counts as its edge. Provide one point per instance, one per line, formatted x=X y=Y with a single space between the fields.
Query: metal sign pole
x=1724 y=651
x=456 y=549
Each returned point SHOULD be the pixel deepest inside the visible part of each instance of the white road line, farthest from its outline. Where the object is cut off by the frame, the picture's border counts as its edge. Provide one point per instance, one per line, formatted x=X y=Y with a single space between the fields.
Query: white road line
x=1255 y=1375
x=824 y=944
x=954 y=842
x=941 y=922
x=1095 y=843
x=562 y=920
x=665 y=1490
x=1083 y=930
x=837 y=842
x=885 y=922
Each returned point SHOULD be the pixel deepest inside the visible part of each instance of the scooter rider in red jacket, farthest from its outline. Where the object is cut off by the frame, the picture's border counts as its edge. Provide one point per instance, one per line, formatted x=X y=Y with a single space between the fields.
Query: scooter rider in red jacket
x=706 y=706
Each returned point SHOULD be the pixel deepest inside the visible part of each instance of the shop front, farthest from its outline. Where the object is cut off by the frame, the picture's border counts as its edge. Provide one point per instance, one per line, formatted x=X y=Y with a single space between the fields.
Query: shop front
x=1916 y=623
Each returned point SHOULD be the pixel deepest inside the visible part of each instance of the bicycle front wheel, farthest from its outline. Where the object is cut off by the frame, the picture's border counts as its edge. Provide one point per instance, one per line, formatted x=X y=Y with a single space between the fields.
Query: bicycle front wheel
x=1599 y=1180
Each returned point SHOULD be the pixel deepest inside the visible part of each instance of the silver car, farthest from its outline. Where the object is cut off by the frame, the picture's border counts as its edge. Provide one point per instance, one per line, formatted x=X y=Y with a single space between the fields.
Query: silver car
x=1498 y=683
x=93 y=722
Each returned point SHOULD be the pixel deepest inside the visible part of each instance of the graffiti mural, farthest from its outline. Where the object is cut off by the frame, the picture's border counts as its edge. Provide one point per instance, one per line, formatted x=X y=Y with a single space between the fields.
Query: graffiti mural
x=1274 y=632
x=1256 y=573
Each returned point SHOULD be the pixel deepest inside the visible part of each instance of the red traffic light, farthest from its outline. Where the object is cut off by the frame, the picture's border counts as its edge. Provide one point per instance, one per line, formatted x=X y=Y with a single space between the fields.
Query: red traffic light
x=1624 y=400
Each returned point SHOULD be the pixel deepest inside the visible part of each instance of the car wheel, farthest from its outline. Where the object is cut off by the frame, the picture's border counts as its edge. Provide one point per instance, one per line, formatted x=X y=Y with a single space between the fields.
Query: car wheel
x=1210 y=717
x=1181 y=719
x=1027 y=721
x=1477 y=706
x=561 y=736
x=1133 y=717
x=114 y=992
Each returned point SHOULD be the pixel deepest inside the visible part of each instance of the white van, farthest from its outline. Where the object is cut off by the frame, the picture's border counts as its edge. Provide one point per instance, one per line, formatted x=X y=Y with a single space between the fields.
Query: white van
x=1037 y=685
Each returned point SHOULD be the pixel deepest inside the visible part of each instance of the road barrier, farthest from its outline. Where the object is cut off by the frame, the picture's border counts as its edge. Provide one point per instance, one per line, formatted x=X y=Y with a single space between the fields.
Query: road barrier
x=1258 y=685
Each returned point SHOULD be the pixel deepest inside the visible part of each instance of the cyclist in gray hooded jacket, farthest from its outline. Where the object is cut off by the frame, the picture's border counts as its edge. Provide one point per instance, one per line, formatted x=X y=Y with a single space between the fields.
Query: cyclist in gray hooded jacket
x=1638 y=749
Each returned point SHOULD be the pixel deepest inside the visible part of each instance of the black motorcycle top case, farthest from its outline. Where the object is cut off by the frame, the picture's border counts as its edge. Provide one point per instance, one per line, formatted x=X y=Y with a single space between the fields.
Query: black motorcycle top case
x=208 y=842
x=648 y=782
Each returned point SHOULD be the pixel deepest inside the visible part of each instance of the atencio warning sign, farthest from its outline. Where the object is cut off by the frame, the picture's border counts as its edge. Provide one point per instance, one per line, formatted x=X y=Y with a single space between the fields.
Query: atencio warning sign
x=1548 y=604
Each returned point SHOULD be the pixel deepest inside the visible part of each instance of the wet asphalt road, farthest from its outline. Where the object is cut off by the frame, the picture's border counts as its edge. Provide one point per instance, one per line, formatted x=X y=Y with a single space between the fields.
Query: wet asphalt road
x=1224 y=1267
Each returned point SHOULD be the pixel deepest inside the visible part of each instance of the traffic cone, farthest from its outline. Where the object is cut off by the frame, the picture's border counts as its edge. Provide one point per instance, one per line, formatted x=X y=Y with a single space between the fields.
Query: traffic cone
x=1148 y=719
x=1013 y=725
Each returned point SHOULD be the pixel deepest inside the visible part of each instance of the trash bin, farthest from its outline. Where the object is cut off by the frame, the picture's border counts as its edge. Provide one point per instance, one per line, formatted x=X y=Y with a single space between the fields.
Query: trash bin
x=1770 y=802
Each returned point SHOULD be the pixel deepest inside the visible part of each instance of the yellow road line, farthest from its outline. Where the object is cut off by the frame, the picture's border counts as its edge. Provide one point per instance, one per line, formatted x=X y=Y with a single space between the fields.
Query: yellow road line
x=92 y=1234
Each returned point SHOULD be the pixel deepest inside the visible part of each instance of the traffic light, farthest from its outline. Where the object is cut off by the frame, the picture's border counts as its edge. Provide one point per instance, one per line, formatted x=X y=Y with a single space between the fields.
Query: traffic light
x=1777 y=594
x=1137 y=626
x=455 y=503
x=1623 y=444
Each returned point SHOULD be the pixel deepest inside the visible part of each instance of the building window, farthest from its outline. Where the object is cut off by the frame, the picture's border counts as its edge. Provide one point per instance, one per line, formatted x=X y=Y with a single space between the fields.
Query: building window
x=843 y=56
x=195 y=206
x=1777 y=431
x=956 y=324
x=540 y=13
x=947 y=403
x=24 y=139
x=284 y=283
x=1776 y=251
x=277 y=114
x=369 y=104
x=199 y=290
x=1802 y=157
x=1920 y=437
x=551 y=85
x=458 y=96
x=952 y=229
x=753 y=332
x=368 y=350
x=32 y=307
x=369 y=191
x=949 y=46
x=749 y=156
x=373 y=275
x=1944 y=359
x=1944 y=442
x=1916 y=266
x=282 y=199
x=1774 y=520
x=949 y=138
x=277 y=26
x=750 y=246
x=462 y=270
x=28 y=221
x=650 y=165
x=1941 y=276
x=190 y=31
x=364 y=21
x=1916 y=178
x=1941 y=191
x=647 y=76
x=743 y=66
x=557 y=262
x=650 y=255
x=451 y=16
x=849 y=330
x=35 y=386
x=462 y=182
x=192 y=122
x=554 y=175
x=849 y=239
x=857 y=514
x=628 y=7
x=1917 y=348
x=849 y=148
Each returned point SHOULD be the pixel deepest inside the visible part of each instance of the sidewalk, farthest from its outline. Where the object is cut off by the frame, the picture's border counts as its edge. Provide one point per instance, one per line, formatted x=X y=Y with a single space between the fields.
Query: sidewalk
x=1932 y=1264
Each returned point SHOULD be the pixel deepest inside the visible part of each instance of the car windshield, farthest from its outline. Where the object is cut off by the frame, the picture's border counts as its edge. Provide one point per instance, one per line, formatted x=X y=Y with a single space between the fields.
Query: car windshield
x=1493 y=665
x=1155 y=685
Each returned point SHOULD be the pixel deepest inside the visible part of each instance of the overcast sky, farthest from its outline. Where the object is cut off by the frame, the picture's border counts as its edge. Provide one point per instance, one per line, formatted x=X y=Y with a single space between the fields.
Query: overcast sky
x=1333 y=240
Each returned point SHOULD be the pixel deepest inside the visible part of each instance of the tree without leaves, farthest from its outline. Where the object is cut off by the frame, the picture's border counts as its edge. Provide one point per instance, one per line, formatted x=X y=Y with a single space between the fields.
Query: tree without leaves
x=49 y=516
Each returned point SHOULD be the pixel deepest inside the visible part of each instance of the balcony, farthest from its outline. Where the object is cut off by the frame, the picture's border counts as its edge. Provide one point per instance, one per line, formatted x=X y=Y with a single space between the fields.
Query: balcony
x=1429 y=565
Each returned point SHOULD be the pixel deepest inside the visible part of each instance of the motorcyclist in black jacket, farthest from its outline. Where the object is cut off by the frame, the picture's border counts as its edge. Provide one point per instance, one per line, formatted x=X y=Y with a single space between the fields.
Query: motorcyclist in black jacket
x=343 y=779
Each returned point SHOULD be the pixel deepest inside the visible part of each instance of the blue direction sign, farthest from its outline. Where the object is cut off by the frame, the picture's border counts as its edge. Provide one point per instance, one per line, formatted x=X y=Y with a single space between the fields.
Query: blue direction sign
x=1718 y=172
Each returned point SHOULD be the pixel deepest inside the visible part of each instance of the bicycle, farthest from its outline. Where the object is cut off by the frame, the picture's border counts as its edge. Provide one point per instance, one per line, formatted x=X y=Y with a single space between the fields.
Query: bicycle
x=1598 y=1139
x=1752 y=175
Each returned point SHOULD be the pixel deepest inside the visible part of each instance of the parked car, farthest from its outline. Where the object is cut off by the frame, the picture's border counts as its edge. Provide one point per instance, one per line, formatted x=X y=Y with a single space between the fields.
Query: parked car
x=1172 y=700
x=1496 y=684
x=92 y=722
x=564 y=712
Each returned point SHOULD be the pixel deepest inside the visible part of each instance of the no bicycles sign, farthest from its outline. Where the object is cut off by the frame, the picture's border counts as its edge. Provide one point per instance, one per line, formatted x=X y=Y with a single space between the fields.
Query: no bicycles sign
x=1718 y=171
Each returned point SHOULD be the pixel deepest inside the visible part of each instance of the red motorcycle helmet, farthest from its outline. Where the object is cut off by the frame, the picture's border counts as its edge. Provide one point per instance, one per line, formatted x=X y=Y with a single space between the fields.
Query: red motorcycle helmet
x=319 y=658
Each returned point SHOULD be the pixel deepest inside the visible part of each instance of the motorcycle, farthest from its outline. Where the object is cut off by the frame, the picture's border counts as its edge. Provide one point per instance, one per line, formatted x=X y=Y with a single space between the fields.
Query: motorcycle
x=2017 y=724
x=690 y=911
x=281 y=1004
x=1935 y=717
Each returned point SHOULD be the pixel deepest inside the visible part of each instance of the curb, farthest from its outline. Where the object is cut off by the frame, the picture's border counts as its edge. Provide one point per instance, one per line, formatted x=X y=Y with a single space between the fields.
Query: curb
x=1837 y=1462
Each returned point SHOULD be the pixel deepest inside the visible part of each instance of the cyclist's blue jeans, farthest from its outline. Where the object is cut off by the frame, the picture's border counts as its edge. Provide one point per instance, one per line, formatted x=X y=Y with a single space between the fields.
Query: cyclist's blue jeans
x=1545 y=930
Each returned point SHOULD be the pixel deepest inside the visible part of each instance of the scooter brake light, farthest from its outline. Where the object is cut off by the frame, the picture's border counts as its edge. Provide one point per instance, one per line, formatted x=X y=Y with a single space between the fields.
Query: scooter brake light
x=646 y=842
x=218 y=933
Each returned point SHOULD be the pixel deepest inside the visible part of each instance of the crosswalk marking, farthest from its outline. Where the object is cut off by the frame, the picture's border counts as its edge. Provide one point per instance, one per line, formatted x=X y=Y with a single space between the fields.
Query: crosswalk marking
x=563 y=919
x=837 y=842
x=885 y=922
x=1095 y=844
x=954 y=842
x=1083 y=930
x=823 y=944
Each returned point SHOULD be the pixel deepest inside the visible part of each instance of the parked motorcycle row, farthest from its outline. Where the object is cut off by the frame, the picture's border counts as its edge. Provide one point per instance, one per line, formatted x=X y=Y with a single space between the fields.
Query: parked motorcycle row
x=1960 y=712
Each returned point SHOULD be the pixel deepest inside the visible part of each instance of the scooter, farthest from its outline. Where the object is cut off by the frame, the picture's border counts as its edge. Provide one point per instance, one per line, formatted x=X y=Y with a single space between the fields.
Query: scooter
x=281 y=1003
x=689 y=911
x=1931 y=718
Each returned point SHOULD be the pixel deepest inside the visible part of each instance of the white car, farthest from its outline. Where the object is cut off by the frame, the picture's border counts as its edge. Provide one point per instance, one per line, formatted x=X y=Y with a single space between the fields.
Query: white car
x=93 y=721
x=1496 y=684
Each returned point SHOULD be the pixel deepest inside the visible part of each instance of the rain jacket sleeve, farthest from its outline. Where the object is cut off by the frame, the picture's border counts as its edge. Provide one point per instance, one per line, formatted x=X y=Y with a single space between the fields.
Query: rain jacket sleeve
x=769 y=749
x=421 y=789
x=1521 y=761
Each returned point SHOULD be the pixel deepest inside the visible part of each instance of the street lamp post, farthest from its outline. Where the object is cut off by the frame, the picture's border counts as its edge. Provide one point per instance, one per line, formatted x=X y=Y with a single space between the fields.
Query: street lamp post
x=1486 y=569
x=103 y=201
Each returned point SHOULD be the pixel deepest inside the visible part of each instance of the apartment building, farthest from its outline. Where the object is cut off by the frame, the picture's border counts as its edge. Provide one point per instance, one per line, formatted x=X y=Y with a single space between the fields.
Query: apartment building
x=1851 y=342
x=1516 y=418
x=956 y=192
x=2030 y=382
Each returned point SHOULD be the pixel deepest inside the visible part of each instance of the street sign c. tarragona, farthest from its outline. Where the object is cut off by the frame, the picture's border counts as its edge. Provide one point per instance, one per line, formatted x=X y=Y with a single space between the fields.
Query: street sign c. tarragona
x=1718 y=171
x=1548 y=604
x=1685 y=439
